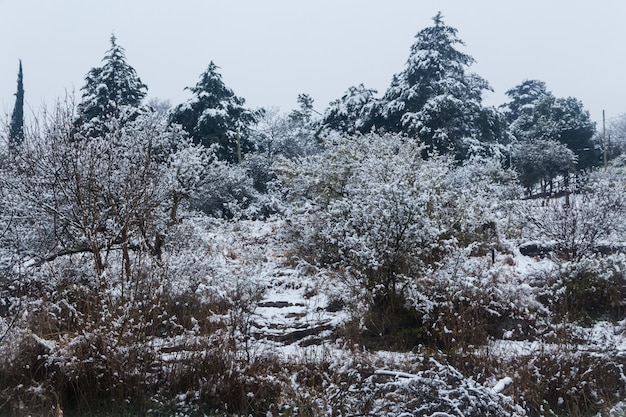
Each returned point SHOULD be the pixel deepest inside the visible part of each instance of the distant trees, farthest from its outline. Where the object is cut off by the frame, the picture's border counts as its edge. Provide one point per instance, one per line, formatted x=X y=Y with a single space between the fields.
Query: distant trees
x=16 y=129
x=615 y=137
x=112 y=91
x=553 y=134
x=276 y=135
x=540 y=161
x=289 y=135
x=435 y=98
x=215 y=115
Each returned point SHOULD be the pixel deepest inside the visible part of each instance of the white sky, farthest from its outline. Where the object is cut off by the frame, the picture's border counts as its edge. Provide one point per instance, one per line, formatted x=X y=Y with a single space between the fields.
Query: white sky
x=269 y=51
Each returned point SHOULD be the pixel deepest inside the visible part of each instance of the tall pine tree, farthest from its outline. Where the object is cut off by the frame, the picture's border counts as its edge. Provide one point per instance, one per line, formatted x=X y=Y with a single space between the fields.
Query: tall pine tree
x=112 y=91
x=215 y=115
x=16 y=129
x=435 y=97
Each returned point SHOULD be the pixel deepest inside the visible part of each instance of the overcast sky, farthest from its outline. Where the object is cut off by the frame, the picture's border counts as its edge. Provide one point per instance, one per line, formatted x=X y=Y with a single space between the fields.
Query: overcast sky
x=269 y=51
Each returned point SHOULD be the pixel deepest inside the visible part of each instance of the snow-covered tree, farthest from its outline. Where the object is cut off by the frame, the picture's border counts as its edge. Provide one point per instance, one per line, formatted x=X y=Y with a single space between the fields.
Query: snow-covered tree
x=304 y=125
x=304 y=114
x=113 y=91
x=614 y=139
x=541 y=161
x=16 y=129
x=523 y=100
x=384 y=210
x=356 y=111
x=215 y=115
x=277 y=135
x=435 y=97
x=105 y=196
x=289 y=135
x=270 y=133
x=535 y=114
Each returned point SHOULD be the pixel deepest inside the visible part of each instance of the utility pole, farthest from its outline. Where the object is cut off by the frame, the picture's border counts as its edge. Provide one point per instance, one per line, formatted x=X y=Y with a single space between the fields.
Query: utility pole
x=604 y=137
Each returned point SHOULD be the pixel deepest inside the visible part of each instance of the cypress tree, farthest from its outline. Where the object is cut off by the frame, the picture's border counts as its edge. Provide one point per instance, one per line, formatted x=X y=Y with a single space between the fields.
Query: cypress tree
x=16 y=129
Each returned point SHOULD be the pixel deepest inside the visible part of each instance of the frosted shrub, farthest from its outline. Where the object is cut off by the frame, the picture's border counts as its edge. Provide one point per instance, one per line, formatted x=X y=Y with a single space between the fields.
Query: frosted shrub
x=593 y=288
x=468 y=302
x=377 y=205
x=230 y=193
x=111 y=195
x=582 y=223
x=388 y=215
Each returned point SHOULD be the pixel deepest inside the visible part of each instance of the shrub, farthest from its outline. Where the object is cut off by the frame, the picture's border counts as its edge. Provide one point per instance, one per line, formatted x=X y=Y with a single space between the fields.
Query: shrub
x=567 y=382
x=590 y=289
x=389 y=216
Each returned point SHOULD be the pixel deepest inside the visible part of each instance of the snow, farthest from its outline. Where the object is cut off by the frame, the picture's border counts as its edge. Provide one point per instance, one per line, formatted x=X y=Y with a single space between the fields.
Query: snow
x=502 y=384
x=287 y=298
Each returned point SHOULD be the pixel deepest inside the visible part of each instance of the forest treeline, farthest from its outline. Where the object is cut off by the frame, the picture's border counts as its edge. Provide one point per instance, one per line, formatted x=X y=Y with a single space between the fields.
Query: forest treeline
x=435 y=98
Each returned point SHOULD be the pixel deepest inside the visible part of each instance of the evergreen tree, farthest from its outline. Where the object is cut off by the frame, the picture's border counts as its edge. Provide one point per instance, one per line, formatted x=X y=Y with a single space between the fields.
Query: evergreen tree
x=535 y=114
x=16 y=129
x=524 y=98
x=435 y=97
x=356 y=111
x=303 y=115
x=215 y=115
x=304 y=124
x=111 y=92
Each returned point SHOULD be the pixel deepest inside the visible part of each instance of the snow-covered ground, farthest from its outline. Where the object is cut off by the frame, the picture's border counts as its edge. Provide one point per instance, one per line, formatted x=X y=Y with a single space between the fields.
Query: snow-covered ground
x=292 y=312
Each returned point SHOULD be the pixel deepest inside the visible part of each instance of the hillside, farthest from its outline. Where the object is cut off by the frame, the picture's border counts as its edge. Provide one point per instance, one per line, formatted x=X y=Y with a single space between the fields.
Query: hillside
x=261 y=330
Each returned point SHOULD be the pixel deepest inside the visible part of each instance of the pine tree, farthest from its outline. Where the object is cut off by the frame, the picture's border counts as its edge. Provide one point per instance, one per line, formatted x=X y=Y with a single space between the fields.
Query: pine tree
x=16 y=129
x=112 y=91
x=304 y=124
x=215 y=115
x=356 y=111
x=304 y=114
x=523 y=99
x=435 y=97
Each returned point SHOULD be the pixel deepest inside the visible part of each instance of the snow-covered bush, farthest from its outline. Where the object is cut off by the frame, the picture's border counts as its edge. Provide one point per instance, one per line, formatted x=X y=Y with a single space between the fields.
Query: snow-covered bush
x=228 y=192
x=236 y=191
x=380 y=210
x=106 y=196
x=581 y=223
x=378 y=202
x=375 y=206
x=592 y=288
x=470 y=301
